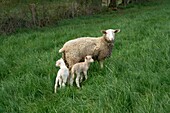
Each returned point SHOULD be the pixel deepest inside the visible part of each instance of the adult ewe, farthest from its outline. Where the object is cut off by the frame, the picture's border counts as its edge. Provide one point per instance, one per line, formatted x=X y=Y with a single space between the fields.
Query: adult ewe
x=99 y=48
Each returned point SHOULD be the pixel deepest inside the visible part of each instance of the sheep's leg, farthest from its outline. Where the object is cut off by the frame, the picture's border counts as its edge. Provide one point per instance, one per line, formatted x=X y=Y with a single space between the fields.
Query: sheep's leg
x=71 y=60
x=64 y=81
x=72 y=78
x=85 y=74
x=68 y=79
x=71 y=81
x=60 y=82
x=77 y=80
x=101 y=64
x=56 y=85
x=63 y=84
x=81 y=78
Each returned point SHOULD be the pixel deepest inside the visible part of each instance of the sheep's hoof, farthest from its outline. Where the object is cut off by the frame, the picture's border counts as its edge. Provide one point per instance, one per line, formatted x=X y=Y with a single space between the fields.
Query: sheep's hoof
x=78 y=87
x=101 y=66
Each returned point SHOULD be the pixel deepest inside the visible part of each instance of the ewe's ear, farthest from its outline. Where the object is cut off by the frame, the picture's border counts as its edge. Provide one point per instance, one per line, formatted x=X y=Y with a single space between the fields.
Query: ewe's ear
x=103 y=31
x=117 y=31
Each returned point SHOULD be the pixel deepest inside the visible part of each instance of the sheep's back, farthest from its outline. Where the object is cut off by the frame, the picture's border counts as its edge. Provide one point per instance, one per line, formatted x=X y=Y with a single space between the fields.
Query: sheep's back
x=81 y=47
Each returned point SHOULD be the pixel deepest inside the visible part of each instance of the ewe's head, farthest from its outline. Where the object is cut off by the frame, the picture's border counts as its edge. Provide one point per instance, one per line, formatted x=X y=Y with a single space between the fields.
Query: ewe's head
x=60 y=62
x=110 y=34
x=89 y=59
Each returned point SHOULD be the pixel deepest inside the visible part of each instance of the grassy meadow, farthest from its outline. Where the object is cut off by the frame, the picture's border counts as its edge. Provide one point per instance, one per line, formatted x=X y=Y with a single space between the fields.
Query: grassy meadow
x=135 y=79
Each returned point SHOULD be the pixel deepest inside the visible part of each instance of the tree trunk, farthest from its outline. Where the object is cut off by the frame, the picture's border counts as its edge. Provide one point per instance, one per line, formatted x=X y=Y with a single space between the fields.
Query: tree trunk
x=113 y=4
x=34 y=13
x=124 y=2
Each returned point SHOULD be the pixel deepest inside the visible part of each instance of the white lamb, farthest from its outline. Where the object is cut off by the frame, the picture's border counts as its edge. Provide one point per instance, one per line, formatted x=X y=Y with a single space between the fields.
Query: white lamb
x=62 y=74
x=79 y=68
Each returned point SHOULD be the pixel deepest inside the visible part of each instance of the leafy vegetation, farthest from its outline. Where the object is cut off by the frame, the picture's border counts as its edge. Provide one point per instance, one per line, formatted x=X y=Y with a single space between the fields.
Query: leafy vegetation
x=21 y=14
x=135 y=78
x=39 y=13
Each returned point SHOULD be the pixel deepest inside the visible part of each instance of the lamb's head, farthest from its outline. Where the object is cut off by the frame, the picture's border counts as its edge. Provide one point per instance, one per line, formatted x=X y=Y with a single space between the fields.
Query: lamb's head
x=109 y=34
x=89 y=59
x=60 y=62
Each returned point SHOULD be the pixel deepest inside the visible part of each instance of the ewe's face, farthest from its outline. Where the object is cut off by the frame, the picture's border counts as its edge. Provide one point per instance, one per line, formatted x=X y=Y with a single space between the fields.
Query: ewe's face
x=110 y=34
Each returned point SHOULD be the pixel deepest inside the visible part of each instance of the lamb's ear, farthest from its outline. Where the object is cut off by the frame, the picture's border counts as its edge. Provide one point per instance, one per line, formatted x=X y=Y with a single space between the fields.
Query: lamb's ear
x=103 y=31
x=117 y=31
x=59 y=63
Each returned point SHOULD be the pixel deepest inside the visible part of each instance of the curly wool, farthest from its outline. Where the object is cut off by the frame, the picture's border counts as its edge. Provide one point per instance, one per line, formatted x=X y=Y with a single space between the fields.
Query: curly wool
x=76 y=50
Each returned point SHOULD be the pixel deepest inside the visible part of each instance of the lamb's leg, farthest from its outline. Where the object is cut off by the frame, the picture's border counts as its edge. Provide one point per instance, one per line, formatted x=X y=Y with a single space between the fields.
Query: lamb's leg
x=71 y=78
x=56 y=85
x=64 y=82
x=60 y=81
x=71 y=81
x=101 y=64
x=81 y=78
x=77 y=80
x=85 y=74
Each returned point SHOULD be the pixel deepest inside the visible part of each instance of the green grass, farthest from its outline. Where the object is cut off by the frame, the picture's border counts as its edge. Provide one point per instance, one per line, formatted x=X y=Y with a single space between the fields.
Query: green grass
x=135 y=78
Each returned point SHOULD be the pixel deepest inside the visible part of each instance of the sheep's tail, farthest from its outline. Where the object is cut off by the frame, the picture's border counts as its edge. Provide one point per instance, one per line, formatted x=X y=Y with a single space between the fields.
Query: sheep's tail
x=61 y=50
x=64 y=56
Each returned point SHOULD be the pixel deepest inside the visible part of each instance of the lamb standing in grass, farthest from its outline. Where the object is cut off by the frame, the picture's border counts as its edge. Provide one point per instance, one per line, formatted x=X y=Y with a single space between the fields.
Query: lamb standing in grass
x=99 y=48
x=62 y=74
x=79 y=68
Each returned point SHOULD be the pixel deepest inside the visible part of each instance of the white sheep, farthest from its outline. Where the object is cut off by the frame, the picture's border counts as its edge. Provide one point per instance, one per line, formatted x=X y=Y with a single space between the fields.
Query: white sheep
x=62 y=74
x=79 y=68
x=99 y=48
